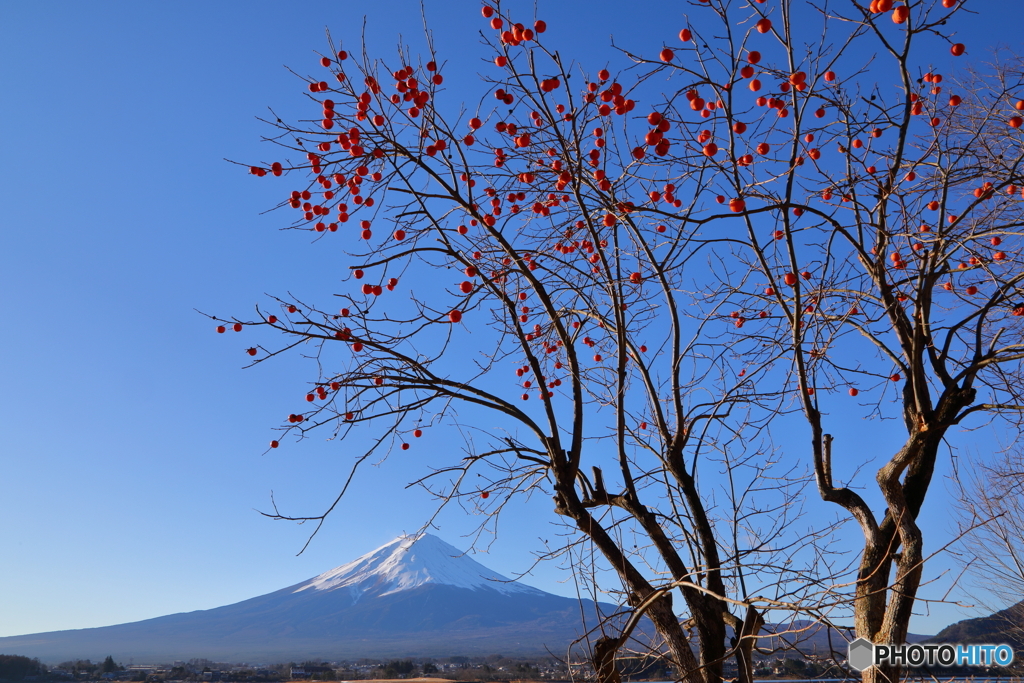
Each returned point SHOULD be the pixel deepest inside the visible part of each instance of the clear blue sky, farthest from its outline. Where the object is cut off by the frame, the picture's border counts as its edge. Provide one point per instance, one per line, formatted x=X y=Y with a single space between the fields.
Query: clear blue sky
x=132 y=461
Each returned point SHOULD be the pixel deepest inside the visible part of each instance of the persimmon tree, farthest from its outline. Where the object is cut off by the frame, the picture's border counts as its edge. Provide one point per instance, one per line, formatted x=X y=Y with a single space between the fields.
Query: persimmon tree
x=644 y=278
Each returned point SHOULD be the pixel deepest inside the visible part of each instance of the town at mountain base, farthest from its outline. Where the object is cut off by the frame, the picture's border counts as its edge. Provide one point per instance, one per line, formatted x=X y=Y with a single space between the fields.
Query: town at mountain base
x=415 y=596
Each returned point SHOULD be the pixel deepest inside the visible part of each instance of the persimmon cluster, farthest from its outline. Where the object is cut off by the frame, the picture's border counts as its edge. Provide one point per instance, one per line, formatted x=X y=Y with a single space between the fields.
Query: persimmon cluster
x=556 y=168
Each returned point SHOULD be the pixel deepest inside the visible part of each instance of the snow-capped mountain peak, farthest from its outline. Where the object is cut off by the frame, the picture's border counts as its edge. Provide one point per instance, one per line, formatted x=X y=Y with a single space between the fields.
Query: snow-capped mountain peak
x=408 y=562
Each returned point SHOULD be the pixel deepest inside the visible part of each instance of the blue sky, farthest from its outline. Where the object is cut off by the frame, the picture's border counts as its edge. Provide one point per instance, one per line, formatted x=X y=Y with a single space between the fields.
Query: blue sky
x=133 y=455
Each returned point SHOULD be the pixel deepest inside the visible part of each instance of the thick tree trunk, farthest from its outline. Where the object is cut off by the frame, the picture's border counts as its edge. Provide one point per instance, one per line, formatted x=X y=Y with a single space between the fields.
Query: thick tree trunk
x=660 y=611
x=707 y=615
x=667 y=623
x=604 y=660
x=881 y=674
x=872 y=589
x=746 y=638
x=708 y=611
x=884 y=604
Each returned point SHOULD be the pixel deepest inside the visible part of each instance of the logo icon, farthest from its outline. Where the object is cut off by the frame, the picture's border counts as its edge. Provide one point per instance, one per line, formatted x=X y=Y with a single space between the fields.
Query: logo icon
x=861 y=654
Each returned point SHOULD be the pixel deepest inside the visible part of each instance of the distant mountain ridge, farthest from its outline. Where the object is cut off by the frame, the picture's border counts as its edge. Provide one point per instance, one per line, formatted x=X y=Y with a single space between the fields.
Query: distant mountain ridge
x=414 y=596
x=1003 y=627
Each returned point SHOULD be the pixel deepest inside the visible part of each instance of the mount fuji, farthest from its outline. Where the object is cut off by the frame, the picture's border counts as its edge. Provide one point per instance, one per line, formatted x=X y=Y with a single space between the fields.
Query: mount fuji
x=415 y=596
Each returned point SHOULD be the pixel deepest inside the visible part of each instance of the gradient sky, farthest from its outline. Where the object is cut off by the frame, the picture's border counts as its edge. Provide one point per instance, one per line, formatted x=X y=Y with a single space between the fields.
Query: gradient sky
x=132 y=461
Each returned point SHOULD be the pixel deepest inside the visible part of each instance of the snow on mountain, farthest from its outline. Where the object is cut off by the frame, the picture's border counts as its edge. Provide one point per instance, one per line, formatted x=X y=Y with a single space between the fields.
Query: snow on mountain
x=416 y=596
x=409 y=562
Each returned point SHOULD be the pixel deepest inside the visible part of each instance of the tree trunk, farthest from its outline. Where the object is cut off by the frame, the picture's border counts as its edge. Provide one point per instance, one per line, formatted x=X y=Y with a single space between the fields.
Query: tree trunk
x=707 y=614
x=604 y=660
x=746 y=638
x=881 y=674
x=660 y=612
x=882 y=609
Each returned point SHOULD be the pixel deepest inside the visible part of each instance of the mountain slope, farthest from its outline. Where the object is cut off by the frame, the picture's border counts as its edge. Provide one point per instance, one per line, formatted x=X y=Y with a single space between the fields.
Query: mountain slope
x=410 y=562
x=413 y=596
x=1004 y=626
